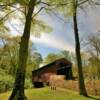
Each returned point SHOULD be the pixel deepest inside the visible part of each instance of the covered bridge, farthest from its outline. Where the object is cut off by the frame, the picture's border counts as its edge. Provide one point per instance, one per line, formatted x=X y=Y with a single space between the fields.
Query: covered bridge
x=58 y=67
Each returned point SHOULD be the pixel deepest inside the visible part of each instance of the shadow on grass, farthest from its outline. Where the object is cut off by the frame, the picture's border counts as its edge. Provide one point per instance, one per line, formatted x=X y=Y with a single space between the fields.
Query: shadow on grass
x=93 y=98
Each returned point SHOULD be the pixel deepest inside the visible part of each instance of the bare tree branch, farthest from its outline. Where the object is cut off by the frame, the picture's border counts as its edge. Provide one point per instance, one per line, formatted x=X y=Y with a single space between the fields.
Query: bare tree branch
x=2 y=6
x=7 y=4
x=59 y=4
x=38 y=11
x=82 y=2
x=14 y=28
x=55 y=14
x=7 y=15
x=19 y=9
x=97 y=3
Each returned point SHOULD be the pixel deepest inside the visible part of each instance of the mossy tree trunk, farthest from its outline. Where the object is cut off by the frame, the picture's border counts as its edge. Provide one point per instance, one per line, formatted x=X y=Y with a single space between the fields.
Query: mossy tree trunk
x=18 y=90
x=82 y=88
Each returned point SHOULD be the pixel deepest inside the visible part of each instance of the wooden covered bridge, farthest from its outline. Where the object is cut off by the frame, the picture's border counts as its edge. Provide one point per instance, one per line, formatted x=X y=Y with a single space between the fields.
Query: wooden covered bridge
x=42 y=75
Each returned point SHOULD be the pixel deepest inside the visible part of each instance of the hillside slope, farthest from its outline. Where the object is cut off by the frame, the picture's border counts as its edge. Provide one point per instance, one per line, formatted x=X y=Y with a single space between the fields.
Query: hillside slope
x=48 y=94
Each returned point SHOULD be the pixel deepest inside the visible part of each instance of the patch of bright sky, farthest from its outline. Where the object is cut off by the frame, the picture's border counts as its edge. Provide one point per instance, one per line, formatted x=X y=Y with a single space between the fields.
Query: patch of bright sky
x=90 y=23
x=62 y=37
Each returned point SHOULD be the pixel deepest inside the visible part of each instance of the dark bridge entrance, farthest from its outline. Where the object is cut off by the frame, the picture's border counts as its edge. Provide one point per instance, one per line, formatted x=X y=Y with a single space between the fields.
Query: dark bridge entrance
x=65 y=70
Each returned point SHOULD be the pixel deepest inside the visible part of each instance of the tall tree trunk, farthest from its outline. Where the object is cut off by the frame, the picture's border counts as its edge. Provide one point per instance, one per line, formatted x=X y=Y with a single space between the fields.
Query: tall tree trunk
x=18 y=90
x=82 y=88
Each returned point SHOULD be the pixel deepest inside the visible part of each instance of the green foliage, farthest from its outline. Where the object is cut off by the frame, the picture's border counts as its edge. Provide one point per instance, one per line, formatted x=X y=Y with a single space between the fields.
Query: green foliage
x=9 y=56
x=34 y=61
x=65 y=7
x=22 y=2
x=9 y=52
x=93 y=50
x=51 y=57
x=62 y=54
x=66 y=54
x=28 y=84
x=3 y=28
x=94 y=68
x=10 y=12
x=6 y=81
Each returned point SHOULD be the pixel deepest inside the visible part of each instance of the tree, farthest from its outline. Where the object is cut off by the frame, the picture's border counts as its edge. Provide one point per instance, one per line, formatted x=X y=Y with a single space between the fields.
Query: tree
x=93 y=48
x=51 y=57
x=78 y=55
x=71 y=7
x=19 y=83
x=94 y=70
x=9 y=53
x=76 y=32
x=18 y=90
x=93 y=43
x=27 y=8
x=33 y=63
x=54 y=56
x=66 y=54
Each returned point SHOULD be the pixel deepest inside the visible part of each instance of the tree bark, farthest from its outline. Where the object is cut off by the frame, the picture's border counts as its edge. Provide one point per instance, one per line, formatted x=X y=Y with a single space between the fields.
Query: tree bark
x=18 y=90
x=82 y=88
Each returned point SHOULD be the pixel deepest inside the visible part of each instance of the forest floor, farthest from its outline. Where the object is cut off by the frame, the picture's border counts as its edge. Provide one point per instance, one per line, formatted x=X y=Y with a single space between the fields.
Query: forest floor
x=48 y=94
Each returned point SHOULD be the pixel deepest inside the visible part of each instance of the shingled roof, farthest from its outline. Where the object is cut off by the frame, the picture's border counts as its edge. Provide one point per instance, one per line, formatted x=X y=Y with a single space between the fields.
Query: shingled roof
x=52 y=63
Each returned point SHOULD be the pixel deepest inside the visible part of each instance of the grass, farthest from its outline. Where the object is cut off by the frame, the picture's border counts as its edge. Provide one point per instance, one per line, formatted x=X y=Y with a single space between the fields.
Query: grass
x=47 y=94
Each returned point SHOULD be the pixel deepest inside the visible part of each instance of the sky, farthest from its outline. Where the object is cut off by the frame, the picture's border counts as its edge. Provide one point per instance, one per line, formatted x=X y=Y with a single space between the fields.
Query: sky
x=62 y=36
